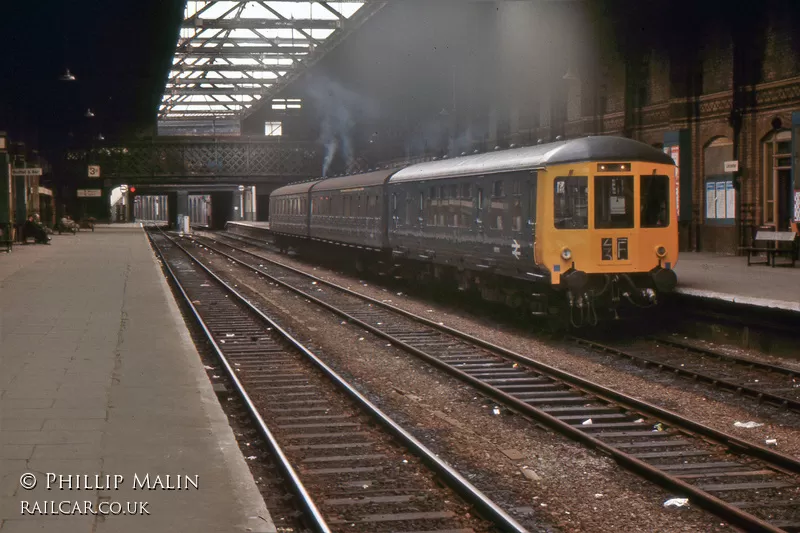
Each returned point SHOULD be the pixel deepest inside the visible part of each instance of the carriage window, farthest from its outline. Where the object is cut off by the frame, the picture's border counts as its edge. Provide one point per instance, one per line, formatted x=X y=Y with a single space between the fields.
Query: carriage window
x=571 y=202
x=516 y=213
x=654 y=201
x=453 y=194
x=466 y=191
x=497 y=189
x=613 y=202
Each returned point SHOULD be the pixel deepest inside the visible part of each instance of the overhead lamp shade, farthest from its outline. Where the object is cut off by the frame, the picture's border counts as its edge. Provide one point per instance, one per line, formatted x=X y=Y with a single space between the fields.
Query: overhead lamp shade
x=88 y=114
x=67 y=76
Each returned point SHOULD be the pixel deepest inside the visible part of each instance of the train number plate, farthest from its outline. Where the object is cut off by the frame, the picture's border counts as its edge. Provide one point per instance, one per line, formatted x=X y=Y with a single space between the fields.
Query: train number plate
x=608 y=248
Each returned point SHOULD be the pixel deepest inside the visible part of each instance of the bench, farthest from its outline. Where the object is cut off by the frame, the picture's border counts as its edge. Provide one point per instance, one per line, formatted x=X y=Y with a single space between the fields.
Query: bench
x=772 y=244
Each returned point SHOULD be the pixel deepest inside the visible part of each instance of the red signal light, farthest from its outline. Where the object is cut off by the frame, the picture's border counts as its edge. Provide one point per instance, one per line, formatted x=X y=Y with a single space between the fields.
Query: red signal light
x=133 y=189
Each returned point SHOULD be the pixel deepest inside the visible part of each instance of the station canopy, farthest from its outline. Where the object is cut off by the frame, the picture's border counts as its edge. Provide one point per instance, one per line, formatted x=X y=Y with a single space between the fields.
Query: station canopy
x=231 y=57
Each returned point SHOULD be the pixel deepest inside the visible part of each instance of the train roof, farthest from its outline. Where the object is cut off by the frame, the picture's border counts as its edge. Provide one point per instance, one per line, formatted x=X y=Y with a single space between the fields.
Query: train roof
x=294 y=188
x=600 y=148
x=369 y=179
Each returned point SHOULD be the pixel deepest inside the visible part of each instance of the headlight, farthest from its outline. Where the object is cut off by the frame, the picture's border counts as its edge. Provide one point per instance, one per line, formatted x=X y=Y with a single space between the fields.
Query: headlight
x=661 y=251
x=566 y=254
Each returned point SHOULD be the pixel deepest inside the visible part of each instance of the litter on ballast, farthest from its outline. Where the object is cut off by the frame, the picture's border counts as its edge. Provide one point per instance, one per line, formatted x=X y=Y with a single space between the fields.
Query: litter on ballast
x=747 y=425
x=587 y=422
x=676 y=502
x=771 y=442
x=639 y=421
x=496 y=410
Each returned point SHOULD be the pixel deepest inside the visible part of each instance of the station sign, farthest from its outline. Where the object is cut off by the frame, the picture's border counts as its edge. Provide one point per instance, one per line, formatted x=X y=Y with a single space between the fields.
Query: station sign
x=26 y=172
x=731 y=166
x=94 y=171
x=90 y=193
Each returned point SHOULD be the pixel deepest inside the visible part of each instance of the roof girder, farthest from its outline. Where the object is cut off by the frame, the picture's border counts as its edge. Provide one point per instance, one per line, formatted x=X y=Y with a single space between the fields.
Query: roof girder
x=226 y=30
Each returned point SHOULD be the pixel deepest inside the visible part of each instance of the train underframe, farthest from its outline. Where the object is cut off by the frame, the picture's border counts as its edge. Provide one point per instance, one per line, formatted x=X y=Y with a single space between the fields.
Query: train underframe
x=580 y=300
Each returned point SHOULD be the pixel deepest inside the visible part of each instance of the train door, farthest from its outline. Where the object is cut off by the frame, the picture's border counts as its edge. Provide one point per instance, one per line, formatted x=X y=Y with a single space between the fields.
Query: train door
x=523 y=215
x=480 y=216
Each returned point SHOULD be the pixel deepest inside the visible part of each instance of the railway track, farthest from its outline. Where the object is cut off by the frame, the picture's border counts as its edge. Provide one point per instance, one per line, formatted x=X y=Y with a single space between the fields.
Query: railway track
x=350 y=466
x=751 y=486
x=777 y=385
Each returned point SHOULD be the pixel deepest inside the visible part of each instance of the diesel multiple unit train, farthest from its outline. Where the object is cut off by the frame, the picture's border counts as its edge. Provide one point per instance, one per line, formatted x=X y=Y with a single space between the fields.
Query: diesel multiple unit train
x=568 y=230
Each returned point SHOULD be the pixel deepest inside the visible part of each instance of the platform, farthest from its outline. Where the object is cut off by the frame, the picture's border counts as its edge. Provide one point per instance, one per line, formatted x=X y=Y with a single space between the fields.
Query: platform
x=98 y=375
x=729 y=279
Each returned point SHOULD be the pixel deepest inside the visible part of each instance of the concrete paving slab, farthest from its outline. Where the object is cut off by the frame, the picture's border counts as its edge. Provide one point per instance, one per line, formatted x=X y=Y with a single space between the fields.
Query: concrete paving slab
x=729 y=279
x=98 y=375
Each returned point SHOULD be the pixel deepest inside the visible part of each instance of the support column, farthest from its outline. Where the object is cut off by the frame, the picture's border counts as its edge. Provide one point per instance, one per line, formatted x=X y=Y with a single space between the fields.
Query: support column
x=222 y=204
x=5 y=189
x=249 y=202
x=181 y=208
x=21 y=199
x=238 y=205
x=172 y=209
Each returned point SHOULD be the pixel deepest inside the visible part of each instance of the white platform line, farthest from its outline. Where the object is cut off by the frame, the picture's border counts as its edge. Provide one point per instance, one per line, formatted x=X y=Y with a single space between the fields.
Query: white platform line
x=739 y=299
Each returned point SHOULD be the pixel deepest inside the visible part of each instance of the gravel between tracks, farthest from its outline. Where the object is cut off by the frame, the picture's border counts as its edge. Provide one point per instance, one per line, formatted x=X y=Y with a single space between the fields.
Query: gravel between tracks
x=518 y=465
x=713 y=408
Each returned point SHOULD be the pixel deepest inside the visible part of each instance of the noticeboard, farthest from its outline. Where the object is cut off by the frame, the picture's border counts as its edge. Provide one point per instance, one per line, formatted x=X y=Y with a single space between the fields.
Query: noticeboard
x=797 y=205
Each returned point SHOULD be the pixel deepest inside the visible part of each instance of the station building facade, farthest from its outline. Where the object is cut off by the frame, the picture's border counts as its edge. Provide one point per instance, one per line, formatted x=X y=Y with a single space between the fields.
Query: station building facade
x=728 y=93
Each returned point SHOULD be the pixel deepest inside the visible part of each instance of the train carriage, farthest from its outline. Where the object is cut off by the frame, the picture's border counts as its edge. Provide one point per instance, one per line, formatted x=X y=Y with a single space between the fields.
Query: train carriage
x=289 y=211
x=350 y=210
x=565 y=228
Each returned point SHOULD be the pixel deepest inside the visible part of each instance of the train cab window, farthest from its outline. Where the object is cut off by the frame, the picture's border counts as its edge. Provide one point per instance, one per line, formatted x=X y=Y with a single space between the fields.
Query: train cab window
x=654 y=201
x=613 y=202
x=571 y=202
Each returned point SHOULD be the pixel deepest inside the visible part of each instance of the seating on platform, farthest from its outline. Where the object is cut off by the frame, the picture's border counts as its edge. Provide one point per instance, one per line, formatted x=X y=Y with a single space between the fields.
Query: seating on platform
x=773 y=244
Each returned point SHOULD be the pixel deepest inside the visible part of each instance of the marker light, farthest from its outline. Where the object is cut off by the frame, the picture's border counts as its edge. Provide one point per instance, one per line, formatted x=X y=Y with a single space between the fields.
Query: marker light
x=566 y=254
x=661 y=251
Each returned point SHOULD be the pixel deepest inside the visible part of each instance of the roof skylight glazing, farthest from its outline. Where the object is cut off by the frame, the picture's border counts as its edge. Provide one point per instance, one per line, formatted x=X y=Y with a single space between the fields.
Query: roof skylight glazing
x=232 y=56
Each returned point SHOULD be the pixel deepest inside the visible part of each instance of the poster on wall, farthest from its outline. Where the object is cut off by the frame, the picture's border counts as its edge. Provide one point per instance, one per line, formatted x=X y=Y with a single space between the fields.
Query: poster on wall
x=720 y=186
x=730 y=198
x=711 y=200
x=797 y=205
